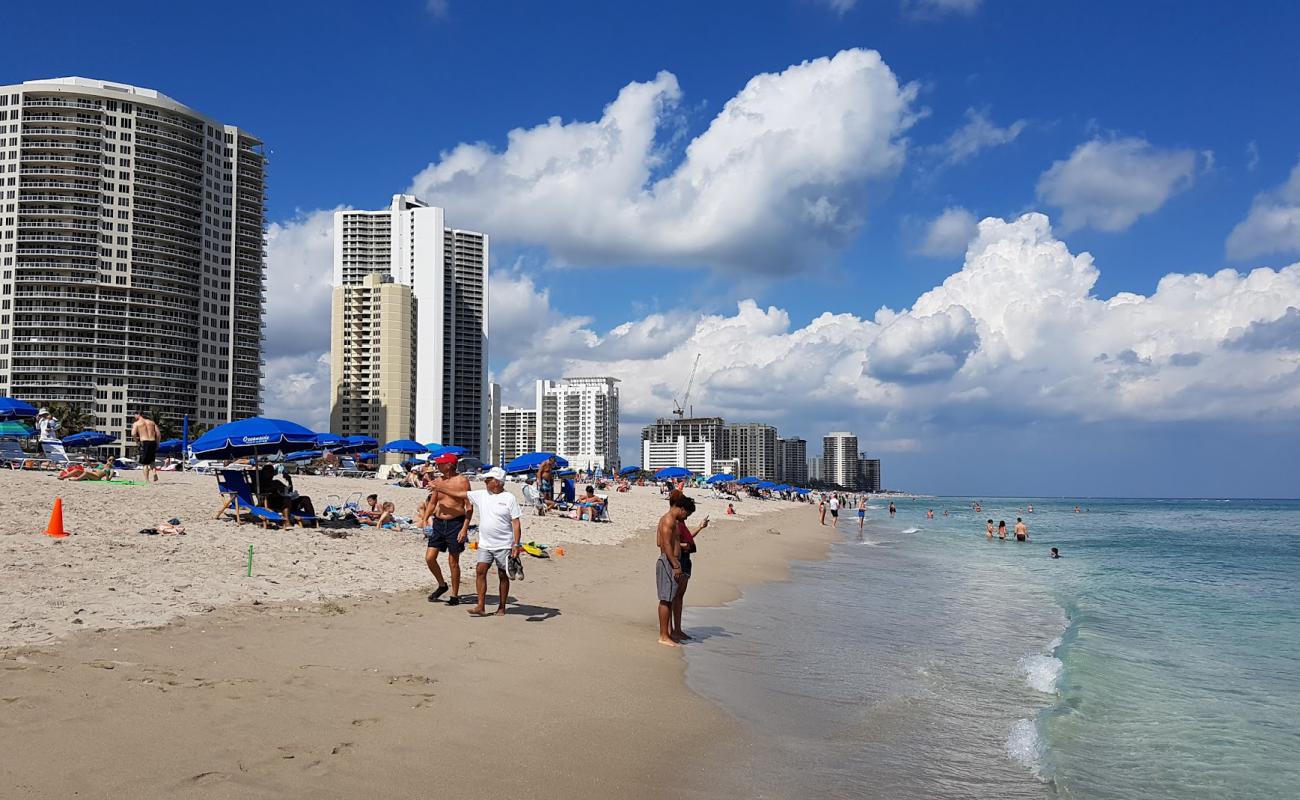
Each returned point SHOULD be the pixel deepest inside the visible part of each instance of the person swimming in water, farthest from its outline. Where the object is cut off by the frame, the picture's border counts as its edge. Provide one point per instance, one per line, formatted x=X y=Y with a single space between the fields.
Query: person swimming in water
x=1022 y=530
x=1002 y=529
x=1055 y=553
x=989 y=528
x=892 y=510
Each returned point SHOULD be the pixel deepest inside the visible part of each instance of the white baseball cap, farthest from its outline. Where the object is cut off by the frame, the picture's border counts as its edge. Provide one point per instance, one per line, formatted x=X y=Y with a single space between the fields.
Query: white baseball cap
x=496 y=473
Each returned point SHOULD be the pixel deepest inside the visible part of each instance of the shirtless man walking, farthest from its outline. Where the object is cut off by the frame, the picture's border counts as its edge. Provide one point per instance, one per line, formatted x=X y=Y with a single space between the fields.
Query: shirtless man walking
x=145 y=432
x=446 y=527
x=1022 y=530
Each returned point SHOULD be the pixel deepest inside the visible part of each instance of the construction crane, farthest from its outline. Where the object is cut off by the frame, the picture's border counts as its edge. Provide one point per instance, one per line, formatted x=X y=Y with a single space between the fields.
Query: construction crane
x=680 y=408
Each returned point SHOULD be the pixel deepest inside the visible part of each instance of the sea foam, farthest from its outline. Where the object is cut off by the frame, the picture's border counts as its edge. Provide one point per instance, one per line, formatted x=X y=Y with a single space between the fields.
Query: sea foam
x=1041 y=672
x=1024 y=746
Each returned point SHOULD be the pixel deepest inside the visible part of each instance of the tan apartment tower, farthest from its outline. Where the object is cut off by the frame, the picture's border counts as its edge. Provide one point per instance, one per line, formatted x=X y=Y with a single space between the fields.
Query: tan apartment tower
x=132 y=265
x=372 y=359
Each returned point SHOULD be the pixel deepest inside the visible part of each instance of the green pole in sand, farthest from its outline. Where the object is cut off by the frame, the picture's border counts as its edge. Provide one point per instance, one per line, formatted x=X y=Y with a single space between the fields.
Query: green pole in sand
x=250 y=561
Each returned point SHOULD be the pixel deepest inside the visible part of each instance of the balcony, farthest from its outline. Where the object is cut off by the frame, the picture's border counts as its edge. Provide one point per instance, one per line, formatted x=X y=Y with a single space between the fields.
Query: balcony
x=142 y=142
x=61 y=158
x=85 y=133
x=55 y=102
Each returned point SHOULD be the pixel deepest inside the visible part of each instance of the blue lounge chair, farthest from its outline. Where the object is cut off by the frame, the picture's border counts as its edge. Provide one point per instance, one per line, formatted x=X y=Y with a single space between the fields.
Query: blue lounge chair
x=234 y=486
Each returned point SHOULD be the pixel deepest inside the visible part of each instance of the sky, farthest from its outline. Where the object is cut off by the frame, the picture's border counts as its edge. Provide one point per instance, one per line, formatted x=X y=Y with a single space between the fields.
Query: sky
x=1047 y=252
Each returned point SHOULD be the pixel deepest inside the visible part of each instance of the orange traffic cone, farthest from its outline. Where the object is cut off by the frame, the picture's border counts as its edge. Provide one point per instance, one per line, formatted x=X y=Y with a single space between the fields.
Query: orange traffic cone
x=55 y=528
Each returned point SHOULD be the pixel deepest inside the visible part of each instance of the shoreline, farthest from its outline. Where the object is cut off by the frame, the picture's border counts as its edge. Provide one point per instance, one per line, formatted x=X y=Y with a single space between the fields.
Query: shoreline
x=339 y=697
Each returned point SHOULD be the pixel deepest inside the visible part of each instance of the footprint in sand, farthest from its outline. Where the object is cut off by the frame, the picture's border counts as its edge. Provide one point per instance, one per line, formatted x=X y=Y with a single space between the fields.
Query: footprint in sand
x=360 y=723
x=411 y=680
x=206 y=778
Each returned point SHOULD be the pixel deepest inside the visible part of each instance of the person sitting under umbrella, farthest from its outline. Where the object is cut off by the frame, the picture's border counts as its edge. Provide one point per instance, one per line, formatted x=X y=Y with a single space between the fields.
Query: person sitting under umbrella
x=278 y=494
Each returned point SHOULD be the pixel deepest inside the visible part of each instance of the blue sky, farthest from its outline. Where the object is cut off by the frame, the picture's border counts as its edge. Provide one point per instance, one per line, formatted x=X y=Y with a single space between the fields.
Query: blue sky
x=1168 y=125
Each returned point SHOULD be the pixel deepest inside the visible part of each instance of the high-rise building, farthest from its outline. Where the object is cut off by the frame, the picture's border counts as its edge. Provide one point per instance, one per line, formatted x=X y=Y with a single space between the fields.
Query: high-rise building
x=840 y=452
x=868 y=473
x=753 y=445
x=447 y=271
x=792 y=461
x=816 y=469
x=372 y=359
x=132 y=275
x=578 y=419
x=518 y=433
x=691 y=442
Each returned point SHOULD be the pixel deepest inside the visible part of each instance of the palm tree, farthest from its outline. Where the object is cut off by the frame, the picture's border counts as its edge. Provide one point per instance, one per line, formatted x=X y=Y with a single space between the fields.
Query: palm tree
x=72 y=418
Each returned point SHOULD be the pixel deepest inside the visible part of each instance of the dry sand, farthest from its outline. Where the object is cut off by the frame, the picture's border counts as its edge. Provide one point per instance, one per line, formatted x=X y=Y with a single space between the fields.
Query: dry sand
x=278 y=692
x=108 y=575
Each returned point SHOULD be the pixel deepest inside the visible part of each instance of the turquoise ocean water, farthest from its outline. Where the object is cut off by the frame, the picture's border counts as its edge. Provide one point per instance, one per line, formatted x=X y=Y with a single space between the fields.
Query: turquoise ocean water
x=1159 y=657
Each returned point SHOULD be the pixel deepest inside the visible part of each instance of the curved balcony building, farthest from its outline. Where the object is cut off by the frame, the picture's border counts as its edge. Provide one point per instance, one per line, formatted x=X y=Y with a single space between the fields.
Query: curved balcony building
x=132 y=260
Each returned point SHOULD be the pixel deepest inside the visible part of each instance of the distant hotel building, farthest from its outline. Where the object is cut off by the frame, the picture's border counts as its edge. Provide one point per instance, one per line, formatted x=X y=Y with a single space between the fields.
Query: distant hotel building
x=518 y=433
x=133 y=272
x=840 y=454
x=753 y=445
x=446 y=271
x=868 y=473
x=693 y=443
x=577 y=418
x=816 y=469
x=792 y=461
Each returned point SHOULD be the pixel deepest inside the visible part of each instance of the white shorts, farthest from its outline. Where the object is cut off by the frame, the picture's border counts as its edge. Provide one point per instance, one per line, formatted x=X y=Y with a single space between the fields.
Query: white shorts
x=501 y=557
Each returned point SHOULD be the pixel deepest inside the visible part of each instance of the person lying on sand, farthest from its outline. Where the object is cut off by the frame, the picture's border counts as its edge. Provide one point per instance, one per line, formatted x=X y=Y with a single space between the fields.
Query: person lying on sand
x=94 y=472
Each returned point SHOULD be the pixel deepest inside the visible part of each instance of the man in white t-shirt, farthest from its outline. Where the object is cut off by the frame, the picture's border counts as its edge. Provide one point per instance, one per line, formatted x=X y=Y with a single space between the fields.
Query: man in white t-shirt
x=835 y=508
x=499 y=531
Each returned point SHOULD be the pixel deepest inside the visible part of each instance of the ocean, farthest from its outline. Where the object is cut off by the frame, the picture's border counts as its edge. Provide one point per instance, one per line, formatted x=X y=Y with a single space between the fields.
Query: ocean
x=1159 y=657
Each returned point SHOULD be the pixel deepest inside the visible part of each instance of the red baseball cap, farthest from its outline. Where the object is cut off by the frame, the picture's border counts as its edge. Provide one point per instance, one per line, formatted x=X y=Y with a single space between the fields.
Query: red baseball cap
x=446 y=458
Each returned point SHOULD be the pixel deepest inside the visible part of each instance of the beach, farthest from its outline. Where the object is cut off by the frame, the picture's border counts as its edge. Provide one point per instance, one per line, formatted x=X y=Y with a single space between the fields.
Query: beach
x=153 y=666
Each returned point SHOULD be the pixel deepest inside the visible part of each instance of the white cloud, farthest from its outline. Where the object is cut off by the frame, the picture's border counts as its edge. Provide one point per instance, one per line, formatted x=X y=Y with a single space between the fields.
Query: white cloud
x=299 y=267
x=1016 y=333
x=1108 y=184
x=933 y=9
x=778 y=182
x=1273 y=224
x=977 y=133
x=1252 y=155
x=840 y=7
x=948 y=234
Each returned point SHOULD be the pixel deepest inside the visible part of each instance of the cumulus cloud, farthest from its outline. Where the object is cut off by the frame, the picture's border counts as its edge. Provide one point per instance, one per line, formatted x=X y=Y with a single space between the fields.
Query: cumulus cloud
x=1273 y=224
x=778 y=181
x=948 y=234
x=977 y=133
x=299 y=266
x=1108 y=184
x=1016 y=333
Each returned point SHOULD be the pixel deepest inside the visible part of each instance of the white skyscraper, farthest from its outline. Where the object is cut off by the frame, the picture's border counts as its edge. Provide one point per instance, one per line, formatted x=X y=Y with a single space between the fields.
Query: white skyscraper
x=132 y=268
x=447 y=271
x=578 y=419
x=840 y=454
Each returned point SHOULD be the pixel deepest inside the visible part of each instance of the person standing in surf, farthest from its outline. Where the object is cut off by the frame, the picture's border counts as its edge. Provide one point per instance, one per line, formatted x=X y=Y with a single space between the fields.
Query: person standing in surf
x=989 y=528
x=1022 y=530
x=1002 y=529
x=668 y=569
x=862 y=513
x=687 y=538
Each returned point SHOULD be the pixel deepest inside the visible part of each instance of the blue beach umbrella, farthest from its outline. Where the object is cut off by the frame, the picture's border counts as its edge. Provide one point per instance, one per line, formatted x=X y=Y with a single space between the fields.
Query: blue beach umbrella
x=672 y=472
x=253 y=437
x=403 y=446
x=765 y=485
x=443 y=450
x=749 y=481
x=629 y=470
x=783 y=487
x=721 y=477
x=355 y=444
x=13 y=408
x=531 y=461
x=328 y=440
x=365 y=456
x=167 y=447
x=304 y=455
x=88 y=439
x=803 y=491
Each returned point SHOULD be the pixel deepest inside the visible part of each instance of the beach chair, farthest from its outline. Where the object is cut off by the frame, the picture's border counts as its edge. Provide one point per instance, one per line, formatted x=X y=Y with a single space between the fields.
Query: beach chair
x=348 y=469
x=234 y=486
x=12 y=456
x=55 y=454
